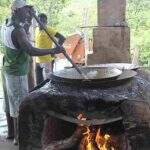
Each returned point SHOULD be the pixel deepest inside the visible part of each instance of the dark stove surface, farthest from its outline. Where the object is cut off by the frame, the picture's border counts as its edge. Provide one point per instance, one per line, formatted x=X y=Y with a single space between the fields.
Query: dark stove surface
x=66 y=99
x=128 y=90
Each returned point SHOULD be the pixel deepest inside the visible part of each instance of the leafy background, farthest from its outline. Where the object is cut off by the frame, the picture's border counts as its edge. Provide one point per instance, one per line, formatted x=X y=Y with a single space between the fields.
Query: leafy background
x=68 y=16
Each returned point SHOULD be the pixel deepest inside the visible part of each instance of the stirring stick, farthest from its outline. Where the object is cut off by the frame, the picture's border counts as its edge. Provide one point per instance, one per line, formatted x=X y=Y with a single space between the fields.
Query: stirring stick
x=64 y=52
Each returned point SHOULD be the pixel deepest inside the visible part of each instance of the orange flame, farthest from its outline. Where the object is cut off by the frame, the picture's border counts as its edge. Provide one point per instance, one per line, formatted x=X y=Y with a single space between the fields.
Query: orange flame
x=95 y=141
x=89 y=139
x=102 y=141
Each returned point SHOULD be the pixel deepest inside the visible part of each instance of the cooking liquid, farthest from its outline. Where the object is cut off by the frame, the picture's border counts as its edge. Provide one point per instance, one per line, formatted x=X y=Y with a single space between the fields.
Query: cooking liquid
x=89 y=73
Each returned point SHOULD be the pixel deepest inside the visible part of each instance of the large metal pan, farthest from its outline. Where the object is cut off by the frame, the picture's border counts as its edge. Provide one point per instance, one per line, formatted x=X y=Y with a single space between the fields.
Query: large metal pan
x=113 y=77
x=92 y=73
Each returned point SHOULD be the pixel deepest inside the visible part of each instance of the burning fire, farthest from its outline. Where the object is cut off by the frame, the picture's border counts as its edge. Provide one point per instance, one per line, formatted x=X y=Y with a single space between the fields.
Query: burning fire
x=103 y=142
x=95 y=140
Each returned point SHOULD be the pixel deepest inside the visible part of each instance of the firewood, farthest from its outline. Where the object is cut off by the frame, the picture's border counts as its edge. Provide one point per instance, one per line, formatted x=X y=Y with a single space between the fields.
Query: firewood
x=67 y=143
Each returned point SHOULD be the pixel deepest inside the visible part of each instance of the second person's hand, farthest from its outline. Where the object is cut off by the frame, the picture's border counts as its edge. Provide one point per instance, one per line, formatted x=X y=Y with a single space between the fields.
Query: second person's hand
x=57 y=50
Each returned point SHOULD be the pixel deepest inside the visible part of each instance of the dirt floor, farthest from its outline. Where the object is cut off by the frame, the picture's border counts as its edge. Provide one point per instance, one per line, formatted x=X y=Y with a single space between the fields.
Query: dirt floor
x=7 y=144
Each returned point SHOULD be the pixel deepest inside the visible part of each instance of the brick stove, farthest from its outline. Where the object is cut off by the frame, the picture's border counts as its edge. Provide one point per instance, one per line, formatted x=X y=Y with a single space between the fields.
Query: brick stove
x=48 y=116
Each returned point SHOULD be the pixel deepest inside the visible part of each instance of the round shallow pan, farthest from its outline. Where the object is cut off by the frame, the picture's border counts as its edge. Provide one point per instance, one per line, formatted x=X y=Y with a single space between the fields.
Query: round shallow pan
x=91 y=73
x=62 y=78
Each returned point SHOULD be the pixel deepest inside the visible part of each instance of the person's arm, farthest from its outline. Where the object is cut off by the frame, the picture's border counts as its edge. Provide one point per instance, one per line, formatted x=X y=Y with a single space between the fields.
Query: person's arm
x=60 y=37
x=24 y=44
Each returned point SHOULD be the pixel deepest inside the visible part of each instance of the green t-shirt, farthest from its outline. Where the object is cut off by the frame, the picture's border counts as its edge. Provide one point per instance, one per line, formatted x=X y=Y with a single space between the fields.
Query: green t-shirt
x=15 y=62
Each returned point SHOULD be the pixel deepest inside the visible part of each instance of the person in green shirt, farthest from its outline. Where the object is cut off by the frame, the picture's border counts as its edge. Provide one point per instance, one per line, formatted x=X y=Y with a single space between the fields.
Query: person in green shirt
x=17 y=52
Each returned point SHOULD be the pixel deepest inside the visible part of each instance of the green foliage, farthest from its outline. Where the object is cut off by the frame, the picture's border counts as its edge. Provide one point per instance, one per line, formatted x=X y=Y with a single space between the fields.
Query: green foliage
x=68 y=15
x=5 y=3
x=51 y=7
x=139 y=22
x=4 y=9
x=72 y=16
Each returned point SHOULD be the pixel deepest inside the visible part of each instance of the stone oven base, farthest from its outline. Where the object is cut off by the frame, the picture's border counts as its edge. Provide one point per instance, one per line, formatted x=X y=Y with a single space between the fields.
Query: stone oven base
x=57 y=138
x=66 y=100
x=134 y=138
